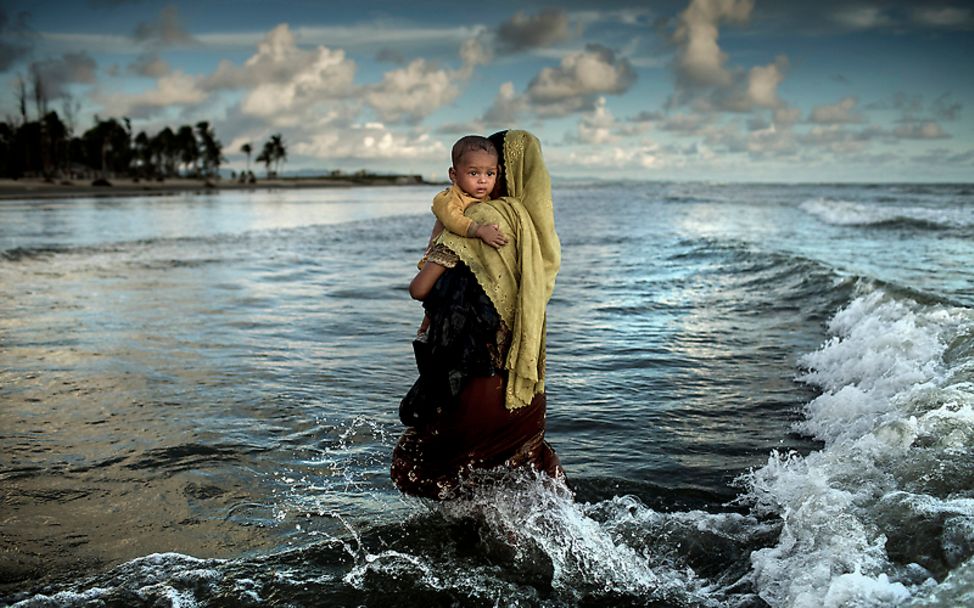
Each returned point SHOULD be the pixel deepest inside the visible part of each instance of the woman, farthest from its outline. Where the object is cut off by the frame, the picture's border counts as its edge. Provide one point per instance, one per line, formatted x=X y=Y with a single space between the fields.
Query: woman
x=479 y=402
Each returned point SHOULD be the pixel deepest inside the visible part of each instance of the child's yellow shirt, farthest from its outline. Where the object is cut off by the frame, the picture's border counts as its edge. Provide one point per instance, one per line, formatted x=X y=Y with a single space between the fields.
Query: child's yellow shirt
x=448 y=207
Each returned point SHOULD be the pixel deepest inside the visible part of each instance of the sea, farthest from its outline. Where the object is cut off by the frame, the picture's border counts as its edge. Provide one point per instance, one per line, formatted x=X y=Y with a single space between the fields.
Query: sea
x=762 y=395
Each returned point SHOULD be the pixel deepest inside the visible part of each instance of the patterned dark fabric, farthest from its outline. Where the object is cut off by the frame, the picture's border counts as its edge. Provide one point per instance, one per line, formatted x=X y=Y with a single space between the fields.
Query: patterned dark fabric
x=461 y=343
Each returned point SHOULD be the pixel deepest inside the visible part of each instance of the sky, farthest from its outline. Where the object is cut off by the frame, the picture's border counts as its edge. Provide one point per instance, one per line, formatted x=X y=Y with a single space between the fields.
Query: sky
x=713 y=90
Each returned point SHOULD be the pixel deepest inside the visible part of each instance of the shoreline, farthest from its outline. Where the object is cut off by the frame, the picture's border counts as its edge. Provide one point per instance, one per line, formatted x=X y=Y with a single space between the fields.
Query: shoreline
x=40 y=189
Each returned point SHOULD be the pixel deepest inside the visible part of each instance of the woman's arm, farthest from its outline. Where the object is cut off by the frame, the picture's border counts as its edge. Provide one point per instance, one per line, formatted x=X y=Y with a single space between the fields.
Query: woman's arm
x=423 y=282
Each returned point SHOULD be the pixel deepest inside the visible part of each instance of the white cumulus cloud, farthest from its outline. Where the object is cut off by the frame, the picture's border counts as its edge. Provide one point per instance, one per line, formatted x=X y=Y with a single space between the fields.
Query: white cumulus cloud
x=506 y=108
x=862 y=17
x=841 y=112
x=700 y=61
x=578 y=80
x=173 y=89
x=411 y=93
x=597 y=126
x=763 y=81
x=371 y=141
x=920 y=130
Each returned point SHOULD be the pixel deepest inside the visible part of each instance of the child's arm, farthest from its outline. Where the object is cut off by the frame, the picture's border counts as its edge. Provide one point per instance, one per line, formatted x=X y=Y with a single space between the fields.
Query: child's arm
x=437 y=229
x=448 y=208
x=423 y=282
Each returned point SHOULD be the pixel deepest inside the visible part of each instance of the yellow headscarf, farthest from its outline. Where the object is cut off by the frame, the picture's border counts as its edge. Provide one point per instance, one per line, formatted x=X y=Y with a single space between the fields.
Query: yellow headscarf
x=519 y=277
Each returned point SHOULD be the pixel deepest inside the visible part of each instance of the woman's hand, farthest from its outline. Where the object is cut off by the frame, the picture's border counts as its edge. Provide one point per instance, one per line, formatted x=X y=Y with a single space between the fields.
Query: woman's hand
x=423 y=282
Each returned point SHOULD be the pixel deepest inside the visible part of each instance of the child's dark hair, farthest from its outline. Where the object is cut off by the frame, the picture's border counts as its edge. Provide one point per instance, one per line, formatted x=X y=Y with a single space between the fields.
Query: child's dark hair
x=470 y=143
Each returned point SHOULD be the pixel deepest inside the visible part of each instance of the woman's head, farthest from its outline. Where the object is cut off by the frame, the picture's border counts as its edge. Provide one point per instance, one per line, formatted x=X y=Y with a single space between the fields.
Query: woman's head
x=500 y=186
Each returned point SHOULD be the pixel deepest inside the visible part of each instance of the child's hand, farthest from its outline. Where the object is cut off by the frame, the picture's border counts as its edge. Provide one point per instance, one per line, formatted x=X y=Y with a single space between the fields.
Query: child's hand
x=492 y=235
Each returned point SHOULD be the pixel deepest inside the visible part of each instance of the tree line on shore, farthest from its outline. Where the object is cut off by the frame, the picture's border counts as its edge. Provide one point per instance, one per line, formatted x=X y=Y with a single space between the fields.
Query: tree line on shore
x=47 y=147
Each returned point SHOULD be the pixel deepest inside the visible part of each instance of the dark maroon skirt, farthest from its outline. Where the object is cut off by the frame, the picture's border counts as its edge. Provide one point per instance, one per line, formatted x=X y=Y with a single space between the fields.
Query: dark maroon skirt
x=479 y=433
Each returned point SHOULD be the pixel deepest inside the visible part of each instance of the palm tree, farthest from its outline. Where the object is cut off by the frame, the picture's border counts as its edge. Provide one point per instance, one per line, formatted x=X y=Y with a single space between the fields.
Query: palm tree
x=212 y=149
x=279 y=151
x=188 y=147
x=108 y=145
x=247 y=149
x=266 y=156
x=143 y=154
x=55 y=134
x=164 y=148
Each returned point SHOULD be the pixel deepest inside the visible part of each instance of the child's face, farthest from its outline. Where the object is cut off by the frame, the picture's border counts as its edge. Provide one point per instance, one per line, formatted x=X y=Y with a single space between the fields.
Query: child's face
x=476 y=173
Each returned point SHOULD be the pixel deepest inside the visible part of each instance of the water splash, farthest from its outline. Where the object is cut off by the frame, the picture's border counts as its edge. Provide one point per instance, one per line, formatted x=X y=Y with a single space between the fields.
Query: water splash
x=861 y=526
x=518 y=535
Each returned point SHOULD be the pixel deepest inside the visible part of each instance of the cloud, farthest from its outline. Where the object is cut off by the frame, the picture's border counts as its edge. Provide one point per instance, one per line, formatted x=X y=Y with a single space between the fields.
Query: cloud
x=578 y=80
x=763 y=81
x=507 y=107
x=862 y=17
x=744 y=94
x=615 y=158
x=943 y=156
x=686 y=124
x=174 y=89
x=596 y=127
x=646 y=117
x=412 y=93
x=703 y=77
x=288 y=85
x=907 y=105
x=167 y=30
x=371 y=141
x=944 y=17
x=841 y=112
x=771 y=143
x=945 y=108
x=920 y=130
x=699 y=61
x=522 y=32
x=284 y=84
x=150 y=65
x=56 y=74
x=476 y=50
x=840 y=140
x=914 y=108
x=786 y=116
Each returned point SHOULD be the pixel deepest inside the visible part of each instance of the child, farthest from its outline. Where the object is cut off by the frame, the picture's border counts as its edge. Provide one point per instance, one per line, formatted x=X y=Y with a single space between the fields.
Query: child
x=473 y=174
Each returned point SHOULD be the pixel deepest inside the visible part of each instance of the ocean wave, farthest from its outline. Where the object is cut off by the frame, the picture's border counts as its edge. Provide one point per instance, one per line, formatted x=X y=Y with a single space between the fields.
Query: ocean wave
x=861 y=524
x=791 y=276
x=159 y=579
x=516 y=539
x=852 y=213
x=18 y=254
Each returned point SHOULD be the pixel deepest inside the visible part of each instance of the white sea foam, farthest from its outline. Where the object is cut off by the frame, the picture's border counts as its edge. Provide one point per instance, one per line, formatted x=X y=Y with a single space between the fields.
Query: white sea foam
x=164 y=579
x=852 y=213
x=895 y=408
